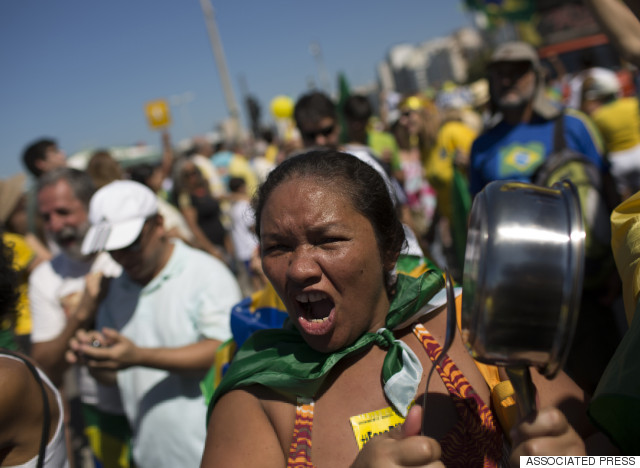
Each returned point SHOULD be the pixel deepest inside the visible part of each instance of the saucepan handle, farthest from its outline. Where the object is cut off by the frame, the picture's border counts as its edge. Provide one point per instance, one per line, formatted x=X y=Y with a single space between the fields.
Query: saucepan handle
x=520 y=377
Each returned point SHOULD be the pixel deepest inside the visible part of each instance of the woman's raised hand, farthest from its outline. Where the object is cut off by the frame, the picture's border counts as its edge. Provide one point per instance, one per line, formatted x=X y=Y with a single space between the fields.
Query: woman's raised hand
x=401 y=446
x=548 y=433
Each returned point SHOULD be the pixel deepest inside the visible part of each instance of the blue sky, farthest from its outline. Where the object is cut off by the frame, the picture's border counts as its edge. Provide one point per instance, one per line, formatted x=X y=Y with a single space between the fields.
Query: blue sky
x=81 y=71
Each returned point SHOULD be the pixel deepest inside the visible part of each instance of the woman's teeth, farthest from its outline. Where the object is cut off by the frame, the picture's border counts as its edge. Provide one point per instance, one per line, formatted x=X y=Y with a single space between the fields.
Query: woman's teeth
x=310 y=297
x=315 y=306
x=319 y=320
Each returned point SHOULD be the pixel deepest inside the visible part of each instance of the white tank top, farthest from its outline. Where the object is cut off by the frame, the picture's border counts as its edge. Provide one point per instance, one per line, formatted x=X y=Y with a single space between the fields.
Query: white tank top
x=56 y=453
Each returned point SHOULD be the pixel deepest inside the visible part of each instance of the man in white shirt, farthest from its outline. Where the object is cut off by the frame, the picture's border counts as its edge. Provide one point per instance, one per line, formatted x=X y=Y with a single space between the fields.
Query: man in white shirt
x=63 y=292
x=159 y=325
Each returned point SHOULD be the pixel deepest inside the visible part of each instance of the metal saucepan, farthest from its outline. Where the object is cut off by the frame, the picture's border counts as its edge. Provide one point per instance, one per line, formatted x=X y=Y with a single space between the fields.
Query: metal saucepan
x=522 y=279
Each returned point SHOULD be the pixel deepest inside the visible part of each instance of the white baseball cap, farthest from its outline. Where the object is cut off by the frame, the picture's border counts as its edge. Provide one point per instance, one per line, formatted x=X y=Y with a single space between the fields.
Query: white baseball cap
x=601 y=83
x=117 y=213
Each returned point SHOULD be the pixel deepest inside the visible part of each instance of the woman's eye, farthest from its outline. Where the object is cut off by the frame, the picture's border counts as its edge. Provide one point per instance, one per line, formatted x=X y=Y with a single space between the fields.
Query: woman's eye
x=273 y=248
x=330 y=240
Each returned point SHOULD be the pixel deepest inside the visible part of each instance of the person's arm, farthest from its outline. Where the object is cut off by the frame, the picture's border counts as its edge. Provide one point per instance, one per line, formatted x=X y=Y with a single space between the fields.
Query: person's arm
x=620 y=23
x=563 y=393
x=200 y=240
x=546 y=432
x=560 y=426
x=15 y=383
x=167 y=154
x=120 y=353
x=21 y=412
x=50 y=355
x=239 y=422
x=42 y=253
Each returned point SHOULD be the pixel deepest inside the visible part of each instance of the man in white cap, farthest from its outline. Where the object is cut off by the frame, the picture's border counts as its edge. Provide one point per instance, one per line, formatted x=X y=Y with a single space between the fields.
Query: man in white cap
x=159 y=325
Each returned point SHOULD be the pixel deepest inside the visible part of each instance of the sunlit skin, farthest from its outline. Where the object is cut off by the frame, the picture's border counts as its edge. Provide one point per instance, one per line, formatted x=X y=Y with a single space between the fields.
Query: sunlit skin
x=155 y=180
x=64 y=216
x=316 y=247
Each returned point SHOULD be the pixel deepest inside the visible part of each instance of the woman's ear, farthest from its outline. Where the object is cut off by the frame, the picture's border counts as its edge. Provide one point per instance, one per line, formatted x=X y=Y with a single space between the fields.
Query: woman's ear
x=390 y=262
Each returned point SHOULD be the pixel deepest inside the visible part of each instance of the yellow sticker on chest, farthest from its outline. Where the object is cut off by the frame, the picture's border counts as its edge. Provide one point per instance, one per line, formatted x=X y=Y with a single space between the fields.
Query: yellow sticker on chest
x=367 y=425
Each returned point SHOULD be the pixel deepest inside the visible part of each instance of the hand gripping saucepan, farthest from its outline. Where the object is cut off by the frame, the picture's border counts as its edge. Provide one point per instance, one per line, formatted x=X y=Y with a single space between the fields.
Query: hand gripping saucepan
x=522 y=280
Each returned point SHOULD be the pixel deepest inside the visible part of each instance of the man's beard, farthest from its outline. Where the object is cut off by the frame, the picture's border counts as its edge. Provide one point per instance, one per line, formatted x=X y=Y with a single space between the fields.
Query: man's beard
x=516 y=100
x=70 y=240
x=513 y=103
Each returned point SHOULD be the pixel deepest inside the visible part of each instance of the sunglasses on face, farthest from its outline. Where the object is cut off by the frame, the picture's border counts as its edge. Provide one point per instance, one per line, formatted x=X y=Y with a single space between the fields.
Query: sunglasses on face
x=510 y=69
x=325 y=132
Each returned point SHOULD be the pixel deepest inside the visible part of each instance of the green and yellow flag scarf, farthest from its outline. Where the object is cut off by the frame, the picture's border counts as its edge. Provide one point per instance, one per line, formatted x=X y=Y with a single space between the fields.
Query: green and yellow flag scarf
x=280 y=359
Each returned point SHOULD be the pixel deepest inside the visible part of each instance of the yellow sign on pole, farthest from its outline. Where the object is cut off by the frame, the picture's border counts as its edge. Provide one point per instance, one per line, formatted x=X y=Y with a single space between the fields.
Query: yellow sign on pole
x=158 y=113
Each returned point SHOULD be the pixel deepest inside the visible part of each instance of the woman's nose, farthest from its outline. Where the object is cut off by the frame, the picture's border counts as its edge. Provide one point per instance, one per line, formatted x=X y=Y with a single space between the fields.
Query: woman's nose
x=303 y=266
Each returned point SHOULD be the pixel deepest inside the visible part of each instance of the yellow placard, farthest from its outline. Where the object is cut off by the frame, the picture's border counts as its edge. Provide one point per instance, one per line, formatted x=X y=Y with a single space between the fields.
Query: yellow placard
x=158 y=114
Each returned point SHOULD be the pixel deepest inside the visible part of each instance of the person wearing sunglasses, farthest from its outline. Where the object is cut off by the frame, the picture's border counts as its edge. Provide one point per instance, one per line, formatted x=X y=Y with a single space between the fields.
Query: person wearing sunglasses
x=317 y=120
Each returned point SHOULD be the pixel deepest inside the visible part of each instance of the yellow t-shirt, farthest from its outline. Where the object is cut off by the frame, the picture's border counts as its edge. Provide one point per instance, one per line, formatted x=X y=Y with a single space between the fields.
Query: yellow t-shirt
x=619 y=124
x=22 y=257
x=453 y=137
x=271 y=153
x=625 y=244
x=240 y=167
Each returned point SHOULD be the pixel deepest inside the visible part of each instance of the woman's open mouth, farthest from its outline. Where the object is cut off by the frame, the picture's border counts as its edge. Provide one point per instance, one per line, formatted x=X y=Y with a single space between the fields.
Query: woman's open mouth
x=316 y=312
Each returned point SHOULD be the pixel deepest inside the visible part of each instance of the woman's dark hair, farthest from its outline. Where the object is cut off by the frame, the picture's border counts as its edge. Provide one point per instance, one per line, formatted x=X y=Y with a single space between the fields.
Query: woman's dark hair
x=8 y=283
x=357 y=180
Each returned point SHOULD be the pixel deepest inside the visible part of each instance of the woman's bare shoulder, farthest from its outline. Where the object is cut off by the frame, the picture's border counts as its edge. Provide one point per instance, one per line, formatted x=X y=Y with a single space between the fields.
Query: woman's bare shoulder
x=16 y=382
x=253 y=415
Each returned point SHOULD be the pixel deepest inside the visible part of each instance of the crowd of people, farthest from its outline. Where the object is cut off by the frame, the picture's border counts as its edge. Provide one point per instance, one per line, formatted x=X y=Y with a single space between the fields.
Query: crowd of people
x=120 y=283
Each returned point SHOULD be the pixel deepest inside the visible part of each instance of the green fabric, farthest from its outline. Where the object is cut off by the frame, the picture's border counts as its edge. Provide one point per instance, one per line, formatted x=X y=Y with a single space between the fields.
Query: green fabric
x=208 y=384
x=280 y=359
x=509 y=10
x=109 y=437
x=344 y=93
x=408 y=263
x=615 y=407
x=115 y=425
x=461 y=199
x=380 y=142
x=7 y=340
